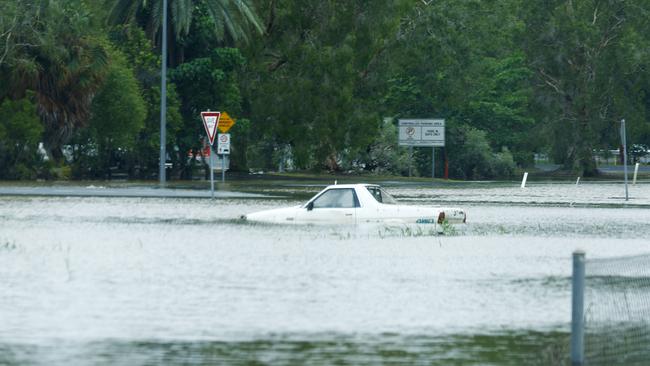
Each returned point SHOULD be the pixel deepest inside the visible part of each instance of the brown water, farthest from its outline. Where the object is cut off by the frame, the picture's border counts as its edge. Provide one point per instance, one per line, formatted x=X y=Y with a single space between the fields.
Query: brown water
x=139 y=281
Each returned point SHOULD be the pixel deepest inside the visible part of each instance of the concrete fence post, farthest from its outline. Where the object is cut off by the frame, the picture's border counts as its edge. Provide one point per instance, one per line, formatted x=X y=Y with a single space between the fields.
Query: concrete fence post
x=577 y=309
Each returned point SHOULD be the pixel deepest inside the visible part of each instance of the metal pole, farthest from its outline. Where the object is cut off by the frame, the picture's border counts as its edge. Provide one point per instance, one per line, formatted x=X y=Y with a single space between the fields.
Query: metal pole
x=433 y=162
x=444 y=150
x=410 y=160
x=577 y=309
x=624 y=137
x=223 y=168
x=211 y=172
x=163 y=98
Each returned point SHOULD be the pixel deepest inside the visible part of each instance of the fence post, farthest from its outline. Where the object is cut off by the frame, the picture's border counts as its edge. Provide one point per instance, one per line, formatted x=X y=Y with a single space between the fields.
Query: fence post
x=577 y=309
x=523 y=181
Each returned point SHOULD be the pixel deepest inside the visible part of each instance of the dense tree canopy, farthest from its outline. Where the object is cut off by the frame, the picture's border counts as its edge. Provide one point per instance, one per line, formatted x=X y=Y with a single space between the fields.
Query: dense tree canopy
x=321 y=84
x=222 y=20
x=589 y=58
x=51 y=49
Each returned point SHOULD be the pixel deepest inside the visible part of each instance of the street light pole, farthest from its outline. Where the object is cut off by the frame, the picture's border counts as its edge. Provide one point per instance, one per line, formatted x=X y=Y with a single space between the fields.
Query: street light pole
x=624 y=138
x=163 y=98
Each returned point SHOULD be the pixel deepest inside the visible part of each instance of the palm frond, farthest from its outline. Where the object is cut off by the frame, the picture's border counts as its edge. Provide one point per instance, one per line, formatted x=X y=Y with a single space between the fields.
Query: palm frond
x=248 y=11
x=235 y=18
x=182 y=16
x=154 y=21
x=124 y=11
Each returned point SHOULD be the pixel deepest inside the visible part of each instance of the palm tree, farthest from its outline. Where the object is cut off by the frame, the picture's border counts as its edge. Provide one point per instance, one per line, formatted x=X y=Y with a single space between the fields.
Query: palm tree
x=60 y=62
x=233 y=19
x=65 y=88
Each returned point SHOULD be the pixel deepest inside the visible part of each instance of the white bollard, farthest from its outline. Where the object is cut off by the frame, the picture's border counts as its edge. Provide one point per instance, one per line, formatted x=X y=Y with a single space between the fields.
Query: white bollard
x=636 y=171
x=523 y=181
x=578 y=181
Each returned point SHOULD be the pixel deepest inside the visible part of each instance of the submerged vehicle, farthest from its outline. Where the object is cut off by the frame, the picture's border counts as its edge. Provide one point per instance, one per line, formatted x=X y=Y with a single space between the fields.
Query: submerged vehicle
x=357 y=204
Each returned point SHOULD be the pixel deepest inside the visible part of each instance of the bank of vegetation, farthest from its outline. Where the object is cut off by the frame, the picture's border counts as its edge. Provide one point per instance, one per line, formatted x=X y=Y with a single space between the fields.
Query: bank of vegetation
x=319 y=85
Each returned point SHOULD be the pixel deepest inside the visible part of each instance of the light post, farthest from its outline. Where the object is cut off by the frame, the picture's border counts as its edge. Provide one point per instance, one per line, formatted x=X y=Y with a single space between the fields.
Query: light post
x=163 y=99
x=624 y=140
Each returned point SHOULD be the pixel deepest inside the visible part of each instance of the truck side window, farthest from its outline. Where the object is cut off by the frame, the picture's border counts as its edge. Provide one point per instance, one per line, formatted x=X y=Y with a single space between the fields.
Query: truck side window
x=376 y=193
x=381 y=196
x=337 y=198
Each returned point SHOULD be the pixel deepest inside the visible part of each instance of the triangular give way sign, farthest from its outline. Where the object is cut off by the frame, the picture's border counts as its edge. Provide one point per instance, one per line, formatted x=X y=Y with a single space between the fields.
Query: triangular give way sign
x=210 y=122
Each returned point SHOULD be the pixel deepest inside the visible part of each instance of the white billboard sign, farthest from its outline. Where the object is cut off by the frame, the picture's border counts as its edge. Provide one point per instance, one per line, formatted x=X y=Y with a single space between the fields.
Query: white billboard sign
x=422 y=132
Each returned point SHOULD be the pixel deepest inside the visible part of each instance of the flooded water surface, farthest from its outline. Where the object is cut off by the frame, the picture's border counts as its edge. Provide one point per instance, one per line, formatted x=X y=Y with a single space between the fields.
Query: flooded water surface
x=143 y=281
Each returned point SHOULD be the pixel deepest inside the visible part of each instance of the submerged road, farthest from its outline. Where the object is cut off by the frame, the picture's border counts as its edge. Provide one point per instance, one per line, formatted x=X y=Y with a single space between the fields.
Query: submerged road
x=100 y=191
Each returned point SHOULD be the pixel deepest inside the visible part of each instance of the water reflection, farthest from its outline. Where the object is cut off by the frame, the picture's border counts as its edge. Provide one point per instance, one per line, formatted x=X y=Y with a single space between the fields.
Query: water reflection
x=505 y=348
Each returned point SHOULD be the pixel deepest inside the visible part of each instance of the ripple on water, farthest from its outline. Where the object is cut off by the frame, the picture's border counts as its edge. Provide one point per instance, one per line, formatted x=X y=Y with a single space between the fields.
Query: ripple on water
x=162 y=280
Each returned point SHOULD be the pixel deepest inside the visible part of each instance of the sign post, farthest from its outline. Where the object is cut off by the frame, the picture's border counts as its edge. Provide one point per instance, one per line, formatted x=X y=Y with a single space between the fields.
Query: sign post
x=211 y=172
x=433 y=162
x=422 y=132
x=223 y=147
x=410 y=160
x=624 y=140
x=210 y=122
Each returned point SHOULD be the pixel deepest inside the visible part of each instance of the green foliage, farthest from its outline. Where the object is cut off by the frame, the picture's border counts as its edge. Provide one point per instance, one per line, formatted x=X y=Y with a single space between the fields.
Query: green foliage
x=207 y=83
x=594 y=74
x=210 y=82
x=118 y=113
x=138 y=50
x=53 y=51
x=311 y=89
x=312 y=79
x=20 y=133
x=470 y=155
x=118 y=109
x=450 y=64
x=404 y=96
x=500 y=104
x=503 y=164
x=384 y=156
x=225 y=19
x=139 y=53
x=240 y=143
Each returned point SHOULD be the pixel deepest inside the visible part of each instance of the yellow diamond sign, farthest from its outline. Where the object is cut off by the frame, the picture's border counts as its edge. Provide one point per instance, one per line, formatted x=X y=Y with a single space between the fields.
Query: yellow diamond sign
x=225 y=122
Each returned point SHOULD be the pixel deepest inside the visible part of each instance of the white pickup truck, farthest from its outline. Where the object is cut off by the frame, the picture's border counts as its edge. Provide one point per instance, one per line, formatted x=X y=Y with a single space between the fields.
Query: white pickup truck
x=357 y=204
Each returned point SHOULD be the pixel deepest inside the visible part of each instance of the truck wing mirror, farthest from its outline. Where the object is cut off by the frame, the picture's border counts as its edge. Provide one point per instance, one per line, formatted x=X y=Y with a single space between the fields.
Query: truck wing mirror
x=310 y=206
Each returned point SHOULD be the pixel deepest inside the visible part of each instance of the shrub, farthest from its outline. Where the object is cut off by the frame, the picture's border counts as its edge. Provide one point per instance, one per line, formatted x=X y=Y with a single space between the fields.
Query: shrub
x=20 y=134
x=470 y=155
x=384 y=155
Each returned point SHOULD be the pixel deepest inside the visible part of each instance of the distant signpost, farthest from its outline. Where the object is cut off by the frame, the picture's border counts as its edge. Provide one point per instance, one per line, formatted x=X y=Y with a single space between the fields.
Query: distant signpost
x=210 y=123
x=223 y=122
x=422 y=133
